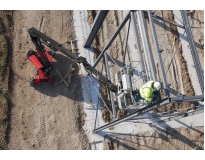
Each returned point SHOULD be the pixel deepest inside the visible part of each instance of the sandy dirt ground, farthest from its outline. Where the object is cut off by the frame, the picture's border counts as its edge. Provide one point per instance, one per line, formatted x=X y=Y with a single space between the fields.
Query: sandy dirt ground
x=51 y=116
x=45 y=116
x=176 y=74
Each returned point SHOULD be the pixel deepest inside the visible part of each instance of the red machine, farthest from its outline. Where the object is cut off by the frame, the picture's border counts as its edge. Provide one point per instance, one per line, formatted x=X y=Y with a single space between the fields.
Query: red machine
x=42 y=60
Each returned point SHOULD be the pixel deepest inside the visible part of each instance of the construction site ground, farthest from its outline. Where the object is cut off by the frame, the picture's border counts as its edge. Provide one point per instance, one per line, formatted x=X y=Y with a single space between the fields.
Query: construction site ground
x=51 y=116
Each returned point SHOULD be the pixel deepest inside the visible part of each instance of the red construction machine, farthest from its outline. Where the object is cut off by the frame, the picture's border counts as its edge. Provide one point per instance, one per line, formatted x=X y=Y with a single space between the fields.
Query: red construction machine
x=42 y=60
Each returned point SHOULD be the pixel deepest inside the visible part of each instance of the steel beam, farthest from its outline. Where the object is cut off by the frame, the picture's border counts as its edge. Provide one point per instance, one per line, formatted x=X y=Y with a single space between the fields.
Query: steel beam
x=137 y=42
x=177 y=116
x=95 y=27
x=165 y=20
x=168 y=117
x=146 y=45
x=128 y=30
x=183 y=98
x=193 y=50
x=158 y=52
x=151 y=107
x=112 y=38
x=111 y=93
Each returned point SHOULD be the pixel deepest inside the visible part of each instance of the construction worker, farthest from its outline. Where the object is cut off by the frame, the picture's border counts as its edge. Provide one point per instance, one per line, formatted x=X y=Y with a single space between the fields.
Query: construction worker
x=147 y=91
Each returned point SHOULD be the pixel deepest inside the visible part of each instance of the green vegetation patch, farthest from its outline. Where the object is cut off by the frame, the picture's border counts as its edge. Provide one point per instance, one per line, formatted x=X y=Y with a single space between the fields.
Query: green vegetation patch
x=3 y=54
x=3 y=87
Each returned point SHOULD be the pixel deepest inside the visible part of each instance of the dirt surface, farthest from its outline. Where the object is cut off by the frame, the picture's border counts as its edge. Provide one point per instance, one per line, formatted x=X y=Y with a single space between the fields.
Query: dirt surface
x=50 y=116
x=45 y=116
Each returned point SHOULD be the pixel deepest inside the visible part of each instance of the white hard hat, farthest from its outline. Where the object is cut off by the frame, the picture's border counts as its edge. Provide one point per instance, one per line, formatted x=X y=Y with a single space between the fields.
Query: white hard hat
x=157 y=85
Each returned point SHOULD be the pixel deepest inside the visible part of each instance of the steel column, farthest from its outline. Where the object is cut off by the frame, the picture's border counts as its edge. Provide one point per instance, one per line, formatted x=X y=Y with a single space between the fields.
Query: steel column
x=193 y=50
x=111 y=93
x=183 y=98
x=166 y=87
x=95 y=27
x=112 y=38
x=137 y=42
x=146 y=45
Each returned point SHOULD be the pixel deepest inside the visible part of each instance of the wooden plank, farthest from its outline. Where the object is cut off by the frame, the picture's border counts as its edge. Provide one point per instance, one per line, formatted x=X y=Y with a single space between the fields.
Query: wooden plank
x=70 y=74
x=57 y=71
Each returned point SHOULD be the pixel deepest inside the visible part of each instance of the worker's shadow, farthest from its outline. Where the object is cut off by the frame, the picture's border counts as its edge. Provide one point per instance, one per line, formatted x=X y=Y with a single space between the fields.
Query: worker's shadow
x=59 y=88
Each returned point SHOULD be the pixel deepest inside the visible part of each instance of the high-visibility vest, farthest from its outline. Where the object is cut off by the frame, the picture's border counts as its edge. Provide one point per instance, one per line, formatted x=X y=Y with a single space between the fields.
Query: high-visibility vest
x=146 y=91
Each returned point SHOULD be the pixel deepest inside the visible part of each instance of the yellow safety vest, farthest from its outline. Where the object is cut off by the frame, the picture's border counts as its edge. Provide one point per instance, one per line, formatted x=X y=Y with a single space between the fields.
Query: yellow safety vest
x=146 y=91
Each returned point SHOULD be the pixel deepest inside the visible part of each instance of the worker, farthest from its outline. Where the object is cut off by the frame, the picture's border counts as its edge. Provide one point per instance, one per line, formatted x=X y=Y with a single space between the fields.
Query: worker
x=147 y=91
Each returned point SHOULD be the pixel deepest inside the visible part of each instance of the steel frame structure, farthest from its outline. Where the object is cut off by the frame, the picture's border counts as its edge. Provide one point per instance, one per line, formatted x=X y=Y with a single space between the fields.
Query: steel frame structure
x=96 y=26
x=148 y=56
x=149 y=108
